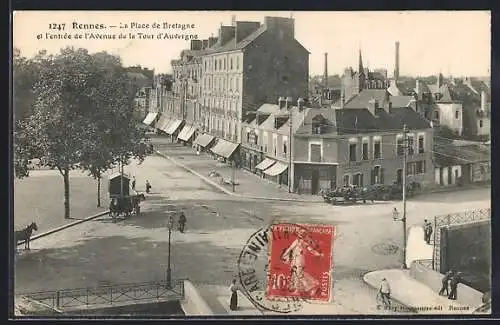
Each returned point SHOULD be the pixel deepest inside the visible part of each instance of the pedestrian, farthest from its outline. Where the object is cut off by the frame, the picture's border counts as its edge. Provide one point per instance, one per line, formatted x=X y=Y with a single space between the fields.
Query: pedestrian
x=385 y=293
x=233 y=302
x=182 y=222
x=395 y=214
x=133 y=183
x=148 y=186
x=445 y=283
x=454 y=281
x=427 y=231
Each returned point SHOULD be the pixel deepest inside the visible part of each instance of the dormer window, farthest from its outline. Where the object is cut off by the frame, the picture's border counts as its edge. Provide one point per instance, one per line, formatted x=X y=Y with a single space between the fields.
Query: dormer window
x=317 y=124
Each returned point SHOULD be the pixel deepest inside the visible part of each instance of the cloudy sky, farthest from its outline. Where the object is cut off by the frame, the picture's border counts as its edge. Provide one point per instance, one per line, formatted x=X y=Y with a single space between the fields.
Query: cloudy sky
x=451 y=42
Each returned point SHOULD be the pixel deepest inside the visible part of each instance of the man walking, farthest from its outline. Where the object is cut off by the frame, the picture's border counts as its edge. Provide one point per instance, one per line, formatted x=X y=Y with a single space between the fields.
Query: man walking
x=385 y=293
x=445 y=283
x=133 y=183
x=454 y=281
x=182 y=222
x=427 y=231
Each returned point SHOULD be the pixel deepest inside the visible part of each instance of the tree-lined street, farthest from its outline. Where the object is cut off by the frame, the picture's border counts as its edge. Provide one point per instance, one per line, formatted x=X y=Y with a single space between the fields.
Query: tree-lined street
x=218 y=225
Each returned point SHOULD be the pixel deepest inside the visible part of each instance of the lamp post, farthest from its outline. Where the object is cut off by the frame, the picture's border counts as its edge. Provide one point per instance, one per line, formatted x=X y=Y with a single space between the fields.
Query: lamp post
x=170 y=226
x=403 y=219
x=233 y=170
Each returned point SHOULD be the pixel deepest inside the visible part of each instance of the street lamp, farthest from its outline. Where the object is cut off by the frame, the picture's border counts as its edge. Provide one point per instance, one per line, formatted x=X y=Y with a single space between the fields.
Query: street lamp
x=170 y=226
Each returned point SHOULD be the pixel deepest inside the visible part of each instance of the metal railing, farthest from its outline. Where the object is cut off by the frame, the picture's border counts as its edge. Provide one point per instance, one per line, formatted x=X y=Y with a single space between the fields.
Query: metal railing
x=110 y=294
x=449 y=220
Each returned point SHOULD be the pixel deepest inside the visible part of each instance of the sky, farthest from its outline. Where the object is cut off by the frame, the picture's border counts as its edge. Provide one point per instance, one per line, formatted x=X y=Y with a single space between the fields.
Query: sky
x=454 y=43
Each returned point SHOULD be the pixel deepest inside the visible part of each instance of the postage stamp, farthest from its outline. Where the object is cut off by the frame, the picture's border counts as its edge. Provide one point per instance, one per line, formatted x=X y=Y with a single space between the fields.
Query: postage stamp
x=300 y=262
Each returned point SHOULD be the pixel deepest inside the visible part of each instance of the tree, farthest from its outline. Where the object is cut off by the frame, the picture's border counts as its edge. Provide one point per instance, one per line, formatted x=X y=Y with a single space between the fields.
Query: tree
x=82 y=117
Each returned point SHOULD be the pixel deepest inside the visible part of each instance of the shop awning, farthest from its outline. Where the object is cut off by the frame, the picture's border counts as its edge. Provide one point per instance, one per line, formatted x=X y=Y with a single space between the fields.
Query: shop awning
x=162 y=122
x=204 y=140
x=186 y=133
x=265 y=164
x=173 y=126
x=276 y=169
x=224 y=148
x=150 y=118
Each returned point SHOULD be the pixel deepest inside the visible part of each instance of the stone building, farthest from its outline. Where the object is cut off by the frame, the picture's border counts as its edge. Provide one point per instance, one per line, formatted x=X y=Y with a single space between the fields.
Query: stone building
x=250 y=64
x=361 y=146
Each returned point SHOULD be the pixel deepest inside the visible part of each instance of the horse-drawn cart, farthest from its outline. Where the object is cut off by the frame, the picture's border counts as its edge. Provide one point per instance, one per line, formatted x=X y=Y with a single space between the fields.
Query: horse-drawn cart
x=124 y=201
x=344 y=195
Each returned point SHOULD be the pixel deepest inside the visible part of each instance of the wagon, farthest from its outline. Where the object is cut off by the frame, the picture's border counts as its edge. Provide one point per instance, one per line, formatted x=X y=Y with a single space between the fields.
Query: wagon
x=124 y=201
x=344 y=194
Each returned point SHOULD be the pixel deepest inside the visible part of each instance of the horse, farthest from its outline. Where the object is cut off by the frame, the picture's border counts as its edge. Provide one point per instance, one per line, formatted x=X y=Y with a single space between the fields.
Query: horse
x=25 y=235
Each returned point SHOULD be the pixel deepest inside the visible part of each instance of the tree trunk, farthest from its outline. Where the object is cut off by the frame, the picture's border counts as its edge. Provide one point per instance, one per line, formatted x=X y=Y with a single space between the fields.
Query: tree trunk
x=66 y=193
x=99 y=192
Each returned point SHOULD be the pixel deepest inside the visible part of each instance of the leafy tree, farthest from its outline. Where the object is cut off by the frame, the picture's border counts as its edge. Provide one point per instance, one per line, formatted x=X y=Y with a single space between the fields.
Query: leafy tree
x=82 y=117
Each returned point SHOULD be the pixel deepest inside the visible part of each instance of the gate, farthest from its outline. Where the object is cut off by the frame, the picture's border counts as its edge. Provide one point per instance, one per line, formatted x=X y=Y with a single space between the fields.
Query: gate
x=442 y=221
x=110 y=295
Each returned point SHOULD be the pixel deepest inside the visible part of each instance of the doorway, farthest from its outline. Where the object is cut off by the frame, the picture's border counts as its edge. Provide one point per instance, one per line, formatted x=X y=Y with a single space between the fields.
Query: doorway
x=315 y=182
x=450 y=176
x=399 y=177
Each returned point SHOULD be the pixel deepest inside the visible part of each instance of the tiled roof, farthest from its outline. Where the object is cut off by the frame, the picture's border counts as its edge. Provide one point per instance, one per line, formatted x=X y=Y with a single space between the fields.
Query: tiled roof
x=376 y=76
x=394 y=90
x=479 y=86
x=401 y=101
x=268 y=108
x=297 y=120
x=447 y=154
x=361 y=120
x=232 y=45
x=361 y=100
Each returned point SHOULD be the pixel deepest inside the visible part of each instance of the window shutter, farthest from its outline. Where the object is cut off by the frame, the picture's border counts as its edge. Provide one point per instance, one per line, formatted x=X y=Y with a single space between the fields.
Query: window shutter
x=361 y=180
x=372 y=176
x=382 y=170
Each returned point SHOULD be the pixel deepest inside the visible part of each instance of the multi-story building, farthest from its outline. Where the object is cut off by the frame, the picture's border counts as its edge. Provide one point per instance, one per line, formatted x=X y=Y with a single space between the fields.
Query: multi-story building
x=360 y=146
x=250 y=64
x=265 y=138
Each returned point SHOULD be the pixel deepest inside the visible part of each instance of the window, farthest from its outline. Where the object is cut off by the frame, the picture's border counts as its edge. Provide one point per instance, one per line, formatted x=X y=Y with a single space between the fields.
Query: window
x=315 y=152
x=237 y=84
x=377 y=150
x=285 y=147
x=346 y=180
x=376 y=175
x=352 y=152
x=480 y=123
x=410 y=168
x=215 y=67
x=231 y=64
x=400 y=147
x=256 y=139
x=275 y=145
x=358 y=180
x=436 y=115
x=264 y=142
x=457 y=114
x=220 y=64
x=365 y=151
x=205 y=65
x=420 y=167
x=237 y=63
x=420 y=144
x=411 y=149
x=224 y=64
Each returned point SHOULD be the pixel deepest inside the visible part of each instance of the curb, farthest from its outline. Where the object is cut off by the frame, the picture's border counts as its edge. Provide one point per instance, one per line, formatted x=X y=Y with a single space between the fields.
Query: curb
x=212 y=183
x=66 y=226
x=411 y=309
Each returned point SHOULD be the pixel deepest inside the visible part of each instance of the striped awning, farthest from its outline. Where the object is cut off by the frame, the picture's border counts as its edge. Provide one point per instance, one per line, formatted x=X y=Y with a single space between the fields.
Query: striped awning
x=276 y=169
x=162 y=122
x=204 y=140
x=150 y=118
x=224 y=148
x=186 y=133
x=265 y=164
x=173 y=126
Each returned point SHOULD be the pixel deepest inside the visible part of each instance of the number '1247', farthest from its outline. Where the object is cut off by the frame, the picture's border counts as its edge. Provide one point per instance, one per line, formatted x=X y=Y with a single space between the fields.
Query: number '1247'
x=57 y=26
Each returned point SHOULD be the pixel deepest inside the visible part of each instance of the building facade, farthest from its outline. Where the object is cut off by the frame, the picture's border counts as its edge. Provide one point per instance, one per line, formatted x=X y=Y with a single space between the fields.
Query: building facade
x=360 y=147
x=250 y=64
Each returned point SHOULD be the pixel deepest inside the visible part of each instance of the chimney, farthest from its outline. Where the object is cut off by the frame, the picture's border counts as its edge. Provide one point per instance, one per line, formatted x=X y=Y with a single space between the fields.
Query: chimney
x=373 y=106
x=196 y=44
x=439 y=80
x=300 y=104
x=205 y=44
x=483 y=100
x=342 y=97
x=282 y=27
x=396 y=67
x=325 y=75
x=417 y=88
x=244 y=29
x=226 y=33
x=281 y=102
x=212 y=41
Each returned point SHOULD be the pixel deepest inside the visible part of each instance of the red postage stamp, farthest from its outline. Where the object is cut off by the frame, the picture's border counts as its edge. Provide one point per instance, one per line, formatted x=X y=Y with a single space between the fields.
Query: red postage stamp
x=300 y=261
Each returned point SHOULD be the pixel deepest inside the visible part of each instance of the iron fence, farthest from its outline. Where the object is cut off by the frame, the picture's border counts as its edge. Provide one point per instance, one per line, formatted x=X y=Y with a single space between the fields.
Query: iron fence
x=453 y=219
x=110 y=294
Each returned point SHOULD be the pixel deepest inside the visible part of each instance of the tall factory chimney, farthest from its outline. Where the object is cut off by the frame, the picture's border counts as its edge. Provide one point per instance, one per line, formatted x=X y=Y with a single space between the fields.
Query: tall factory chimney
x=325 y=76
x=396 y=67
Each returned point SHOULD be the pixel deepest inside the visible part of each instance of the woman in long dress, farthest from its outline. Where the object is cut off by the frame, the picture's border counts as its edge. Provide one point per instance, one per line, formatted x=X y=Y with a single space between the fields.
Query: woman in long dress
x=233 y=303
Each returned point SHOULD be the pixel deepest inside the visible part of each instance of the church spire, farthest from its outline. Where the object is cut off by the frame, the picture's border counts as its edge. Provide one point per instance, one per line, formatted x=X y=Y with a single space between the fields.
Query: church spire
x=360 y=68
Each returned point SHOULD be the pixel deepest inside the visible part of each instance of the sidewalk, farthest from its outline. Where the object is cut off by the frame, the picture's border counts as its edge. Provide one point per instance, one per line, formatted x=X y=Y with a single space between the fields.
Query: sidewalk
x=247 y=185
x=411 y=292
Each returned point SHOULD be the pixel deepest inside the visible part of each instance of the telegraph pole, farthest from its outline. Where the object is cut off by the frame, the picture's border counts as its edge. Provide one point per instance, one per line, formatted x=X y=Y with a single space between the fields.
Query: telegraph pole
x=290 y=152
x=405 y=152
